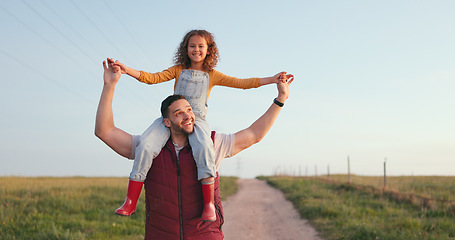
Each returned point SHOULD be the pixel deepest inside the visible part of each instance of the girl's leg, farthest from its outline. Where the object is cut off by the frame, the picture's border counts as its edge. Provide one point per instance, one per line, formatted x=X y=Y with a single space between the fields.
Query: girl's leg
x=202 y=147
x=204 y=155
x=151 y=143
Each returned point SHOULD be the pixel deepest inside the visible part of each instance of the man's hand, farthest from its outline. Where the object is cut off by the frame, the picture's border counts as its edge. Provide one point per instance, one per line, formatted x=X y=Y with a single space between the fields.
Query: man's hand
x=117 y=139
x=111 y=73
x=283 y=86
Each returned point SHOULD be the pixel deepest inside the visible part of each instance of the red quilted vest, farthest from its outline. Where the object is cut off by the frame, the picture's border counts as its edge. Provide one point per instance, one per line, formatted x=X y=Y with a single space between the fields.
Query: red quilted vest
x=173 y=197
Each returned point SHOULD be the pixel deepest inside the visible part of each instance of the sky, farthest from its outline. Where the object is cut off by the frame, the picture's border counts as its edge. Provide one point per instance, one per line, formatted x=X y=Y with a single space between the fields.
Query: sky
x=374 y=82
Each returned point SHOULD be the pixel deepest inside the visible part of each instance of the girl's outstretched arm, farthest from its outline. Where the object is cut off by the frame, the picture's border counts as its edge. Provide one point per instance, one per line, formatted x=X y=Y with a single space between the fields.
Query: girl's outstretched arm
x=125 y=69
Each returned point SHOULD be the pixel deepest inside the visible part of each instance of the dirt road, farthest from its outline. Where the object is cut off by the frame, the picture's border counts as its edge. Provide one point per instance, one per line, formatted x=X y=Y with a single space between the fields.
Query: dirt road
x=260 y=212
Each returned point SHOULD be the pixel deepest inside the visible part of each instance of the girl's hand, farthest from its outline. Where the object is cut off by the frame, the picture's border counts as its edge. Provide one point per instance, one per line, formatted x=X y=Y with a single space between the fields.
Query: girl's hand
x=122 y=67
x=285 y=77
x=273 y=79
x=278 y=77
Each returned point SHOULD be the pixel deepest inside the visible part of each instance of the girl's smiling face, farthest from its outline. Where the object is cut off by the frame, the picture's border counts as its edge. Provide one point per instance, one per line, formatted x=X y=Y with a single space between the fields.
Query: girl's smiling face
x=197 y=50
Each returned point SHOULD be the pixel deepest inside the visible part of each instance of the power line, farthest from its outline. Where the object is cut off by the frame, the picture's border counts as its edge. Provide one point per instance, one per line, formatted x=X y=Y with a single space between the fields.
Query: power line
x=44 y=39
x=60 y=32
x=54 y=81
x=46 y=77
x=99 y=30
x=108 y=39
x=69 y=39
x=130 y=34
x=72 y=28
x=60 y=51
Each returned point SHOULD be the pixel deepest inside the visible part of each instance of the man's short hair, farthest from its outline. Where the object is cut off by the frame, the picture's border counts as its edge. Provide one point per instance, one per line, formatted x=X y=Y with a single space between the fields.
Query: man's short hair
x=167 y=102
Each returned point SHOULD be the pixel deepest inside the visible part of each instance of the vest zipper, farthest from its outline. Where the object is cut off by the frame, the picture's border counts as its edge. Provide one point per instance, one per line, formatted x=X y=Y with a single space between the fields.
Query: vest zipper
x=180 y=198
x=220 y=216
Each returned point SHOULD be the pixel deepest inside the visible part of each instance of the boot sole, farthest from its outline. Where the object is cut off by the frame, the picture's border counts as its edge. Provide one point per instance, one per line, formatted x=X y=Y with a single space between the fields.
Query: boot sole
x=125 y=215
x=209 y=220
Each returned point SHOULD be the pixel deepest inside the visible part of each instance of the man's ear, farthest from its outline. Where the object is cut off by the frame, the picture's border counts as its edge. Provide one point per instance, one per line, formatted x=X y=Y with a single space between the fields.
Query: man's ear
x=167 y=122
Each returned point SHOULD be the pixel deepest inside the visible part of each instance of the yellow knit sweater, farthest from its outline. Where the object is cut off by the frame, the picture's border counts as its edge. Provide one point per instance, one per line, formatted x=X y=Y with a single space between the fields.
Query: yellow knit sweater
x=215 y=78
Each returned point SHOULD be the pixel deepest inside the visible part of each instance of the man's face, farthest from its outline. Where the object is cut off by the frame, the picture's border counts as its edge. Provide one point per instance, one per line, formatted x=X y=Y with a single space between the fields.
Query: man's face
x=181 y=117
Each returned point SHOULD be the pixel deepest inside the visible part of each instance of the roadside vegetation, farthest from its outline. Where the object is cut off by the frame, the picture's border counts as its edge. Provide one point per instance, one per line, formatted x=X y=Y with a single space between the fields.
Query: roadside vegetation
x=362 y=211
x=438 y=188
x=72 y=208
x=228 y=186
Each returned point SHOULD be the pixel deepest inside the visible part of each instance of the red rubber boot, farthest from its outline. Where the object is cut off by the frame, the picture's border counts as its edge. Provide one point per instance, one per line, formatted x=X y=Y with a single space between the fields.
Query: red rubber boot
x=208 y=214
x=129 y=206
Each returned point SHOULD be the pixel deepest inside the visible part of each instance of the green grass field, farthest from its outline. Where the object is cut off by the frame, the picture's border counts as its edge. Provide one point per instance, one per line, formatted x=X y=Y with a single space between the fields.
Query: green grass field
x=342 y=211
x=436 y=187
x=82 y=208
x=72 y=208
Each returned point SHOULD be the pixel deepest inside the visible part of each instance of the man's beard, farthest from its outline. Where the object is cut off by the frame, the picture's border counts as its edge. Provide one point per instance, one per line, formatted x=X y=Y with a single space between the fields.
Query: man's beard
x=178 y=129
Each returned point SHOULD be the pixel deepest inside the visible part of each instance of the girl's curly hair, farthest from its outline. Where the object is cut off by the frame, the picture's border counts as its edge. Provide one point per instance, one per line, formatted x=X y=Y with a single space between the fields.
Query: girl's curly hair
x=181 y=55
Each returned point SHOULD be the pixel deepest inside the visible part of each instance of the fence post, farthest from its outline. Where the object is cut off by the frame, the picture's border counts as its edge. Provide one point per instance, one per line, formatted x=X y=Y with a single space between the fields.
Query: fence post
x=328 y=172
x=349 y=171
x=385 y=174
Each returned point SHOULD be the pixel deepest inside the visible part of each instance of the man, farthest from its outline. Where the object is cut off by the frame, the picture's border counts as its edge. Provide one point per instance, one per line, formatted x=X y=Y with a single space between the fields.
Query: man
x=173 y=193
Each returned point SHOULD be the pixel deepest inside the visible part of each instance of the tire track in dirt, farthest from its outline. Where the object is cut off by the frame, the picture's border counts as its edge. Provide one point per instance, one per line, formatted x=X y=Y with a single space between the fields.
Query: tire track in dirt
x=258 y=211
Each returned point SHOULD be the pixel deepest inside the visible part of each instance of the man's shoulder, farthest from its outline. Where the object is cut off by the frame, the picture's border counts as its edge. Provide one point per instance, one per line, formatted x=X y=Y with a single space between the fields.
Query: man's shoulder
x=223 y=145
x=218 y=136
x=223 y=140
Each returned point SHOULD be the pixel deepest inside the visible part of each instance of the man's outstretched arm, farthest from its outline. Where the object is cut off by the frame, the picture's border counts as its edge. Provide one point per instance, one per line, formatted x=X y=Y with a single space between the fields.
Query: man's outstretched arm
x=253 y=134
x=117 y=139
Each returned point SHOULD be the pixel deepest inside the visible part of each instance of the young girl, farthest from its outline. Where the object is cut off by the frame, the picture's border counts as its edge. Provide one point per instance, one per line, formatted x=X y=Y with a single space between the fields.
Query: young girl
x=195 y=76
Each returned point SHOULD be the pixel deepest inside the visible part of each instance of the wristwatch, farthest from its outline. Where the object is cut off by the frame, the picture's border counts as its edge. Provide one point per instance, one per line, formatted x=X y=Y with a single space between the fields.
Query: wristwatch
x=280 y=104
